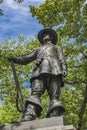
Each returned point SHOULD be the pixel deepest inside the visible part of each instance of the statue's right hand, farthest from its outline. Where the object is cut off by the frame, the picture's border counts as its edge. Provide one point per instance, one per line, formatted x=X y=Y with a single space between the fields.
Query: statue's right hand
x=10 y=58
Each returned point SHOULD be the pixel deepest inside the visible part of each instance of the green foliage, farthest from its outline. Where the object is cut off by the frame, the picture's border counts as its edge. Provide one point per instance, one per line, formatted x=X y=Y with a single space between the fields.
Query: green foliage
x=7 y=84
x=45 y=103
x=72 y=98
x=8 y=112
x=19 y=1
x=1 y=12
x=70 y=15
x=1 y=1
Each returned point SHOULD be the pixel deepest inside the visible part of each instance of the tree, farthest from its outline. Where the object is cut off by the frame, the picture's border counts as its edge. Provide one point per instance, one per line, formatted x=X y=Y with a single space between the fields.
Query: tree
x=19 y=1
x=1 y=11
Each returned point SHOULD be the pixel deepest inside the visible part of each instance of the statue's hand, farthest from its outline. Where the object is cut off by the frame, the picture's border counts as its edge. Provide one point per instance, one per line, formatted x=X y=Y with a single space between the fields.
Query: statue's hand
x=10 y=58
x=64 y=73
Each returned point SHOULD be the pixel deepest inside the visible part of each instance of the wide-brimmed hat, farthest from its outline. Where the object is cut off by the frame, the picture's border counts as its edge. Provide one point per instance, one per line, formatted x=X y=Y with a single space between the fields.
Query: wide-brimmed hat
x=50 y=31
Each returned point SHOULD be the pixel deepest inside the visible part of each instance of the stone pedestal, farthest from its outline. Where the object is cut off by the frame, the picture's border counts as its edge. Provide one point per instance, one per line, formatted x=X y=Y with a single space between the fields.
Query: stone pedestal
x=69 y=127
x=54 y=123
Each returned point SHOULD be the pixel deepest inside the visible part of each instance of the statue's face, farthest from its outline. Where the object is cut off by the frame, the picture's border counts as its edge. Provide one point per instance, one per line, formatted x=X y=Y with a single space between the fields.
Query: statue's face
x=47 y=37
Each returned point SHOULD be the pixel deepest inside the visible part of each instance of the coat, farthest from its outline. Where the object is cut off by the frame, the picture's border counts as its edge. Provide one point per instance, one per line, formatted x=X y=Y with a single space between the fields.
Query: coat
x=49 y=60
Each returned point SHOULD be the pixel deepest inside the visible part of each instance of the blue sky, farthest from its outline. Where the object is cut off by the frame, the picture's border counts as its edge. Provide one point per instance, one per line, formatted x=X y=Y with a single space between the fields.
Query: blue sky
x=17 y=20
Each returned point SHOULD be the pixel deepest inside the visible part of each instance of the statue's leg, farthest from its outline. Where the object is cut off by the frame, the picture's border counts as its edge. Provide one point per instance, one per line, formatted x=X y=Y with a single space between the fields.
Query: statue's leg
x=33 y=103
x=56 y=107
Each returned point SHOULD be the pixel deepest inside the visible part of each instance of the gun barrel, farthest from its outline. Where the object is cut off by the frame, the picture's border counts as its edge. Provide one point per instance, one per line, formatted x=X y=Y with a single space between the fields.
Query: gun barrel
x=17 y=86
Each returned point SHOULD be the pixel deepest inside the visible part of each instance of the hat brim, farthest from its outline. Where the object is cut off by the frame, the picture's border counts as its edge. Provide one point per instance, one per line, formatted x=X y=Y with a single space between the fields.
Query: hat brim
x=50 y=31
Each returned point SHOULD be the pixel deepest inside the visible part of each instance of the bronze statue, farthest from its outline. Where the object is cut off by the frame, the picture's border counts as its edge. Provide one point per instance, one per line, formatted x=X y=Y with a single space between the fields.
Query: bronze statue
x=48 y=74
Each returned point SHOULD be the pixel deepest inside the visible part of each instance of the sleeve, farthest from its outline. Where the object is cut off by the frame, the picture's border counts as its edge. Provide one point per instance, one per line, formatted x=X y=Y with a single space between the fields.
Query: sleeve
x=23 y=60
x=62 y=59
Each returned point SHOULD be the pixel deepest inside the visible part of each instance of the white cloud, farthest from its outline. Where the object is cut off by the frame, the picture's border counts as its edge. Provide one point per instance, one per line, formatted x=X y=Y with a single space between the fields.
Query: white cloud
x=18 y=20
x=22 y=8
x=14 y=6
x=39 y=1
x=36 y=1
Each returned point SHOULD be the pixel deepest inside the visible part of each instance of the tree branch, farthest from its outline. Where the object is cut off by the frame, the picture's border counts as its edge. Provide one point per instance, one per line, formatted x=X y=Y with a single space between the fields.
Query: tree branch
x=82 y=110
x=84 y=54
x=74 y=82
x=71 y=83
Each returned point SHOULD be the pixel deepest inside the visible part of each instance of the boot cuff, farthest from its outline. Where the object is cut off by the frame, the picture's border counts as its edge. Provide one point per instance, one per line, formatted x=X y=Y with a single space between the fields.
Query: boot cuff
x=55 y=105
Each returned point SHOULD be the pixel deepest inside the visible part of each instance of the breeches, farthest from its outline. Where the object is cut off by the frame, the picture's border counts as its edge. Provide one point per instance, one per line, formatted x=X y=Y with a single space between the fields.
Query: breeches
x=50 y=83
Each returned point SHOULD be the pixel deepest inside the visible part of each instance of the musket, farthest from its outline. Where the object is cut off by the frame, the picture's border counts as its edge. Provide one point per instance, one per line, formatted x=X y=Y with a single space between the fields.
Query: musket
x=19 y=94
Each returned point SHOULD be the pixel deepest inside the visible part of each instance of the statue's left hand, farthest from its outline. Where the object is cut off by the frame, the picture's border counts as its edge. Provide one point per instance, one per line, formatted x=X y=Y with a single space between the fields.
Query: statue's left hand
x=64 y=73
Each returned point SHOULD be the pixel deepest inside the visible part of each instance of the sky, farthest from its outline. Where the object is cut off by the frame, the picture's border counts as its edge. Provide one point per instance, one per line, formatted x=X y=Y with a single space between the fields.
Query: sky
x=17 y=20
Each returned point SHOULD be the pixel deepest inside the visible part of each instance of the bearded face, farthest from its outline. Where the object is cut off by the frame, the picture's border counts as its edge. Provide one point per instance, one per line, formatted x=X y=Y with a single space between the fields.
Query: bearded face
x=47 y=38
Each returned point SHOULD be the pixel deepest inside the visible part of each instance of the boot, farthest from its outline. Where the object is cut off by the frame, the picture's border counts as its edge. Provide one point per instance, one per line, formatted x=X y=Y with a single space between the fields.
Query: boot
x=56 y=108
x=56 y=112
x=30 y=113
